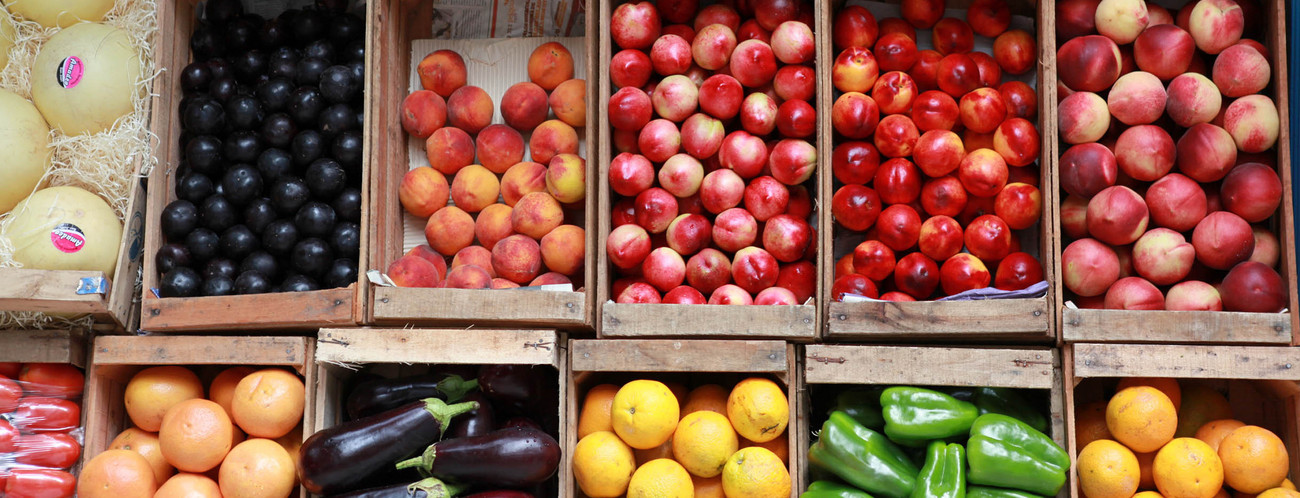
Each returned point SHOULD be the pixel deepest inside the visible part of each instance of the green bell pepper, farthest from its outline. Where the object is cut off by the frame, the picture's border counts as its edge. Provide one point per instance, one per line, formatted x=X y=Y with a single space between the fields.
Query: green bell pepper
x=913 y=413
x=861 y=404
x=987 y=492
x=863 y=457
x=1011 y=403
x=1008 y=453
x=829 y=489
x=944 y=473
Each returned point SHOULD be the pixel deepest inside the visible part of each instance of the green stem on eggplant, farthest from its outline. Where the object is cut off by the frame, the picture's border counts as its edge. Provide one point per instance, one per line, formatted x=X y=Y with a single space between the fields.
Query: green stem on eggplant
x=435 y=488
x=456 y=387
x=444 y=412
x=423 y=462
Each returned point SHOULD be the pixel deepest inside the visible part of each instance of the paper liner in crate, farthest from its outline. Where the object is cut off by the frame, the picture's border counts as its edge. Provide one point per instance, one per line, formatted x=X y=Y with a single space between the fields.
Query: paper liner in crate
x=988 y=293
x=40 y=425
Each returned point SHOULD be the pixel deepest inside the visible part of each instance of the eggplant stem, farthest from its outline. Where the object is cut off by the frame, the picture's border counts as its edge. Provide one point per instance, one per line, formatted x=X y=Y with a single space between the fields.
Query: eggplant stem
x=444 y=412
x=435 y=488
x=455 y=387
x=424 y=461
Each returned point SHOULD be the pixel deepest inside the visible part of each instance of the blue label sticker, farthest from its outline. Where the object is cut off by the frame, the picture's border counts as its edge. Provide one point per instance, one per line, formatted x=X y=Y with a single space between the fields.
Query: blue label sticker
x=92 y=285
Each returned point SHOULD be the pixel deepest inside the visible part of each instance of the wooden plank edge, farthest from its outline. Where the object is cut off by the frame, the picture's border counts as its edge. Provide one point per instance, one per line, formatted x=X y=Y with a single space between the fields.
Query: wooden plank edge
x=396 y=304
x=1088 y=325
x=1027 y=368
x=688 y=320
x=483 y=346
x=203 y=350
x=1016 y=316
x=1185 y=361
x=45 y=346
x=666 y=355
x=278 y=311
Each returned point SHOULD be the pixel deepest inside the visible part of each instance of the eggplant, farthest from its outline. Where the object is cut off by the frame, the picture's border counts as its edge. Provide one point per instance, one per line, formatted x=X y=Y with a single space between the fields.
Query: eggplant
x=379 y=395
x=478 y=422
x=427 y=488
x=513 y=457
x=522 y=422
x=503 y=493
x=519 y=386
x=339 y=458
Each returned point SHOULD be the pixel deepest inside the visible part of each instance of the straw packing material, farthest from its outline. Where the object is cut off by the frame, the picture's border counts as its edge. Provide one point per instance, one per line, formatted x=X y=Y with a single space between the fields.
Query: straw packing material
x=61 y=13
x=7 y=36
x=25 y=140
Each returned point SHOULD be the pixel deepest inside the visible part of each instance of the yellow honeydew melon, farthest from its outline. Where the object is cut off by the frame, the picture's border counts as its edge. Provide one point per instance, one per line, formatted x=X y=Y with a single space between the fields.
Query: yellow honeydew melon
x=65 y=228
x=24 y=149
x=85 y=77
x=60 y=13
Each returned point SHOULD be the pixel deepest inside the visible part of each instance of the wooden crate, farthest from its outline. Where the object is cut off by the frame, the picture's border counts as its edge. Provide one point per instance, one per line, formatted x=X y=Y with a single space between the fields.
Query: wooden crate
x=1262 y=383
x=341 y=351
x=1092 y=325
x=798 y=323
x=45 y=346
x=1023 y=368
x=701 y=361
x=115 y=359
x=404 y=22
x=1003 y=320
x=297 y=310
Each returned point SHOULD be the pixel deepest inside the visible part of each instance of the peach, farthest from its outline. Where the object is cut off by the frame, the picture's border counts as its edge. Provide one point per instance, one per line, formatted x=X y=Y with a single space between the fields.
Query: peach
x=717 y=14
x=655 y=209
x=793 y=43
x=639 y=293
x=1164 y=50
x=793 y=161
x=501 y=283
x=1192 y=99
x=474 y=255
x=771 y=13
x=536 y=214
x=426 y=252
x=750 y=30
x=689 y=233
x=796 y=119
x=990 y=72
x=1255 y=288
x=702 y=135
x=708 y=270
x=938 y=152
x=1075 y=18
x=734 y=229
x=499 y=147
x=988 y=18
x=423 y=191
x=548 y=278
x=449 y=149
x=1125 y=261
x=897 y=25
x=935 y=110
x=754 y=269
x=671 y=55
x=664 y=269
x=1018 y=271
x=423 y=112
x=1255 y=44
x=952 y=36
x=899 y=227
x=766 y=197
x=470 y=108
x=628 y=68
x=855 y=70
x=983 y=172
x=1015 y=51
x=1206 y=153
x=941 y=237
x=413 y=271
x=634 y=25
x=1089 y=63
x=776 y=296
x=943 y=196
x=787 y=238
x=1241 y=70
x=522 y=179
x=1267 y=248
x=925 y=71
x=894 y=92
x=922 y=14
x=743 y=153
x=1074 y=217
x=1137 y=98
x=855 y=26
x=895 y=52
x=800 y=205
x=1133 y=293
x=681 y=175
x=1193 y=295
x=659 y=140
x=629 y=109
x=449 y=230
x=916 y=275
x=442 y=71
x=855 y=207
x=569 y=102
x=627 y=246
x=625 y=141
x=982 y=110
x=758 y=114
x=675 y=98
x=721 y=190
x=1021 y=99
x=896 y=136
x=898 y=181
x=1121 y=20
x=468 y=277
x=875 y=260
x=1117 y=216
x=958 y=75
x=1020 y=205
x=1223 y=239
x=1158 y=15
x=624 y=212
x=799 y=278
x=1253 y=122
x=855 y=115
x=989 y=238
x=1089 y=267
x=713 y=46
x=475 y=188
x=493 y=224
x=853 y=285
x=730 y=295
x=1163 y=256
x=1176 y=202
x=1145 y=153
x=1017 y=141
x=550 y=139
x=963 y=272
x=684 y=294
x=1084 y=117
x=795 y=83
x=566 y=178
x=1216 y=25
x=1252 y=191
x=550 y=64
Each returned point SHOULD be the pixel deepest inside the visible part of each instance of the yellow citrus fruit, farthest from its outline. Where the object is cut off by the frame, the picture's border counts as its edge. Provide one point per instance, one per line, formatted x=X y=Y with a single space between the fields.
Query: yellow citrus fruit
x=196 y=435
x=596 y=410
x=186 y=485
x=1146 y=476
x=268 y=403
x=679 y=391
x=603 y=465
x=257 y=468
x=1201 y=404
x=1223 y=493
x=1107 y=470
x=1279 y=493
x=1163 y=384
x=710 y=397
x=780 y=446
x=662 y=478
x=1287 y=484
x=703 y=442
x=755 y=473
x=708 y=487
x=1254 y=460
x=153 y=390
x=222 y=388
x=116 y=474
x=1214 y=431
x=1148 y=494
x=1141 y=418
x=292 y=441
x=758 y=409
x=645 y=413
x=1188 y=468
x=1090 y=423
x=146 y=444
x=662 y=451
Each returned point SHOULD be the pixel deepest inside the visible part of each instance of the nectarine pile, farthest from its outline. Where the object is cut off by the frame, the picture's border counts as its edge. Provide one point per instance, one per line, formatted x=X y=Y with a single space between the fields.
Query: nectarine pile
x=504 y=220
x=712 y=124
x=936 y=155
x=1169 y=169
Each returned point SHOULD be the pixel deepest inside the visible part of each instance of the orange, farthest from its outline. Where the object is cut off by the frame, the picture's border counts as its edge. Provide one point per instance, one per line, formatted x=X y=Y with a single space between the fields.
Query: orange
x=708 y=487
x=679 y=391
x=780 y=446
x=1254 y=460
x=758 y=409
x=1148 y=494
x=645 y=413
x=602 y=465
x=1214 y=431
x=195 y=435
x=222 y=388
x=1201 y=404
x=1107 y=470
x=596 y=410
x=185 y=485
x=1146 y=461
x=153 y=390
x=755 y=473
x=1279 y=493
x=710 y=397
x=257 y=468
x=146 y=444
x=662 y=451
x=1287 y=484
x=292 y=441
x=662 y=478
x=236 y=436
x=1141 y=418
x=116 y=474
x=1188 y=468
x=1090 y=423
x=1164 y=384
x=1223 y=493
x=703 y=442
x=268 y=403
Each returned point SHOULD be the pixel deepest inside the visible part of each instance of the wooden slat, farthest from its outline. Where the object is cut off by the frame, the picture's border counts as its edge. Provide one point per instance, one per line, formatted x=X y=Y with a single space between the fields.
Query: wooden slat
x=44 y=346
x=687 y=320
x=49 y=291
x=297 y=310
x=1027 y=317
x=1182 y=361
x=467 y=346
x=1079 y=325
x=857 y=364
x=663 y=355
x=479 y=306
x=203 y=350
x=1285 y=221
